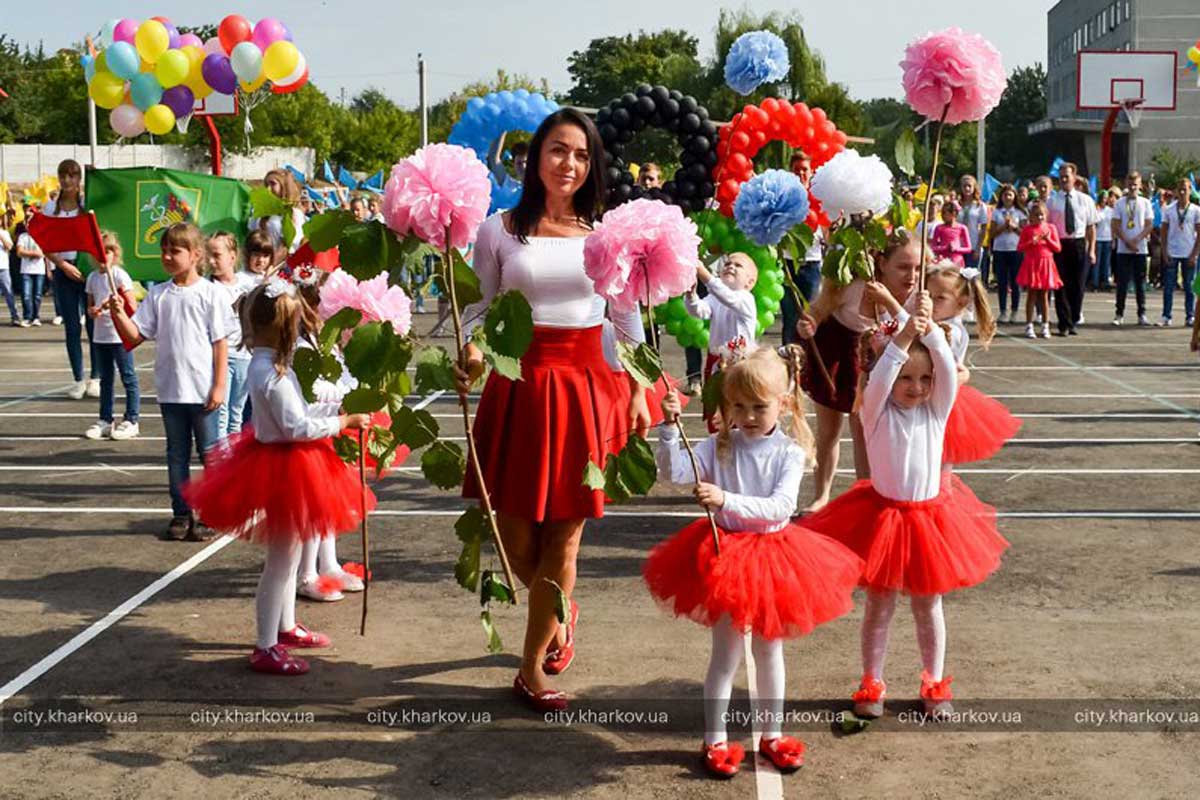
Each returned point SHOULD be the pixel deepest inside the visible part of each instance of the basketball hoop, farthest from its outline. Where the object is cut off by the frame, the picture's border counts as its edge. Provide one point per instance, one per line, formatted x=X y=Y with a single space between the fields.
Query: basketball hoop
x=181 y=123
x=1133 y=111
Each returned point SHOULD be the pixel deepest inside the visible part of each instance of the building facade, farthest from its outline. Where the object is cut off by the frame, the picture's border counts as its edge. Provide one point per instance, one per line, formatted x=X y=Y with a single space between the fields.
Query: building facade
x=1120 y=25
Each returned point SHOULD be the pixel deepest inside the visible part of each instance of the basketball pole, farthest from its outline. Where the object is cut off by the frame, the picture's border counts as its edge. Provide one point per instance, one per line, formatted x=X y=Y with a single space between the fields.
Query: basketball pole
x=1110 y=122
x=214 y=145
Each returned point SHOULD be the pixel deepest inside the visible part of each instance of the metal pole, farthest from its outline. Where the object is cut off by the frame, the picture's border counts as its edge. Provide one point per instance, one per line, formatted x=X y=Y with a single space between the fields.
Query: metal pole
x=424 y=107
x=981 y=153
x=91 y=132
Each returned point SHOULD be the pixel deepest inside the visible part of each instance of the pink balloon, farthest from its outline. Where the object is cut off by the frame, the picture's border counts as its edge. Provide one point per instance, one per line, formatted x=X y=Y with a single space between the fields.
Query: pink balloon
x=267 y=31
x=190 y=39
x=125 y=30
x=213 y=47
x=127 y=121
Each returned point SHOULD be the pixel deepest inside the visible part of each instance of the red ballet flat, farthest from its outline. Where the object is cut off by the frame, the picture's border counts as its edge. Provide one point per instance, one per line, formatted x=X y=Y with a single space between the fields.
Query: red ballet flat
x=722 y=760
x=559 y=657
x=936 y=695
x=868 y=700
x=543 y=701
x=786 y=753
x=277 y=661
x=301 y=637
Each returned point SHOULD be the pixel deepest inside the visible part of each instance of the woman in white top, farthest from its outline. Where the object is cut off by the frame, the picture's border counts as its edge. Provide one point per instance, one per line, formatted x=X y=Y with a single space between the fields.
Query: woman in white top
x=1007 y=221
x=535 y=436
x=68 y=281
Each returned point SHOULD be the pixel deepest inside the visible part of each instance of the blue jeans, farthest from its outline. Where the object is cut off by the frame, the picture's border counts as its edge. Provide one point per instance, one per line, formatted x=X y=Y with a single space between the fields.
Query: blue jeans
x=1169 y=274
x=808 y=281
x=110 y=356
x=1100 y=275
x=229 y=415
x=7 y=290
x=183 y=422
x=1008 y=264
x=72 y=302
x=31 y=295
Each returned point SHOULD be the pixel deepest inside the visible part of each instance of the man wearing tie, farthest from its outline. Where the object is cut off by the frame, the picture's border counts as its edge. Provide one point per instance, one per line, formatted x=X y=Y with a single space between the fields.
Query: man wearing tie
x=1074 y=215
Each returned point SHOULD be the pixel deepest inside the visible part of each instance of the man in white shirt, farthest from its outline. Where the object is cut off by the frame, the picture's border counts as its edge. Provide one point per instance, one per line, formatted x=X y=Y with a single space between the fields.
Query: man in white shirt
x=1074 y=215
x=1181 y=243
x=1132 y=224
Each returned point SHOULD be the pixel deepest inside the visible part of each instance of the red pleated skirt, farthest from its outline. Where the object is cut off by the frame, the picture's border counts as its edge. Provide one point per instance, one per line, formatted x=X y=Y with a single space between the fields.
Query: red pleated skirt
x=978 y=427
x=778 y=585
x=840 y=350
x=287 y=490
x=535 y=436
x=921 y=547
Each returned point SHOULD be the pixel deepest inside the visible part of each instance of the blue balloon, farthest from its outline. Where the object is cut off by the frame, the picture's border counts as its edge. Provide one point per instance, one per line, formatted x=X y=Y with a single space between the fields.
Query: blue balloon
x=89 y=67
x=123 y=60
x=145 y=90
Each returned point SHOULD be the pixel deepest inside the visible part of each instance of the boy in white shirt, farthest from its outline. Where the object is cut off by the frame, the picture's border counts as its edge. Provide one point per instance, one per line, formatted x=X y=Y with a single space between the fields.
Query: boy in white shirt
x=1132 y=224
x=33 y=278
x=729 y=307
x=1181 y=243
x=108 y=347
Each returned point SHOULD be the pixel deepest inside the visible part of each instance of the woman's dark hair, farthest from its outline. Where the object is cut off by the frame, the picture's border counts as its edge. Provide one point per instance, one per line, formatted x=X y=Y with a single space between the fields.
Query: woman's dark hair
x=588 y=200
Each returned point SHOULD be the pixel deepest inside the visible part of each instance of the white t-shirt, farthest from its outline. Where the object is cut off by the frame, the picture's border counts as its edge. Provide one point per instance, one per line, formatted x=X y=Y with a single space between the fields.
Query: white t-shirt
x=6 y=245
x=97 y=287
x=243 y=282
x=1181 y=229
x=1007 y=242
x=30 y=266
x=1133 y=217
x=1104 y=218
x=975 y=217
x=51 y=210
x=185 y=321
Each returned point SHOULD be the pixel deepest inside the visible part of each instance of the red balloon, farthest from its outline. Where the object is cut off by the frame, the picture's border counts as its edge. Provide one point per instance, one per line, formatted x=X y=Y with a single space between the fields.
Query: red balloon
x=741 y=141
x=234 y=30
x=291 y=87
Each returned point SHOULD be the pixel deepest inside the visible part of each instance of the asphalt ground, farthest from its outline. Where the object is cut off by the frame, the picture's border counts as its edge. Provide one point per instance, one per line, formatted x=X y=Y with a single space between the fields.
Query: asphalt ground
x=123 y=657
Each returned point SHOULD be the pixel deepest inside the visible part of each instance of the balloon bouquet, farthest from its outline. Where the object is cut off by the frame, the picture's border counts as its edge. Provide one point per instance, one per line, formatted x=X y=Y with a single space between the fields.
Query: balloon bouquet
x=150 y=75
x=1193 y=60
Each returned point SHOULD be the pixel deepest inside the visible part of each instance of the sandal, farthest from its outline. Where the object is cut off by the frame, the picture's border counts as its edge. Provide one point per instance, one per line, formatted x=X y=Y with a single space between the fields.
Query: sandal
x=722 y=760
x=559 y=657
x=277 y=660
x=543 y=701
x=301 y=637
x=786 y=753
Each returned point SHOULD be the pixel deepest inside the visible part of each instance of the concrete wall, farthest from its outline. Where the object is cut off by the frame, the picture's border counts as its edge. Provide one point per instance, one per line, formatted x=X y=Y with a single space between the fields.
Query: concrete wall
x=1168 y=25
x=26 y=163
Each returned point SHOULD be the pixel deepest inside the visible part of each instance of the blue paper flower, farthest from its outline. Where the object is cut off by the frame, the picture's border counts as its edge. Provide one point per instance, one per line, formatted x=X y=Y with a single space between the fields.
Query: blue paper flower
x=756 y=58
x=769 y=205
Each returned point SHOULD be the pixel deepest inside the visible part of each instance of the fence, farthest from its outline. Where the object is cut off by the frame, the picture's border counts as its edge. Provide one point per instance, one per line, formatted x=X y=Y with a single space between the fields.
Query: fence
x=26 y=163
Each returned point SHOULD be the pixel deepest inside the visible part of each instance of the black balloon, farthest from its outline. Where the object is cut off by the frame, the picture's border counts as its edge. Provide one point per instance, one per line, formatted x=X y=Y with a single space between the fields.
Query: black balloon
x=621 y=118
x=669 y=108
x=661 y=94
x=643 y=89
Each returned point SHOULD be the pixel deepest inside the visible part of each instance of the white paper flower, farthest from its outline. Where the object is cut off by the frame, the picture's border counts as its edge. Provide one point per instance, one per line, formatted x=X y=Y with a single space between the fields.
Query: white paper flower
x=852 y=184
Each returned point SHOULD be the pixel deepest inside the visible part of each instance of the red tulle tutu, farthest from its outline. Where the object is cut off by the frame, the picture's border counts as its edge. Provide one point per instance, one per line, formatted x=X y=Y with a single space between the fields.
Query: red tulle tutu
x=923 y=547
x=778 y=585
x=978 y=427
x=535 y=436
x=265 y=492
x=383 y=420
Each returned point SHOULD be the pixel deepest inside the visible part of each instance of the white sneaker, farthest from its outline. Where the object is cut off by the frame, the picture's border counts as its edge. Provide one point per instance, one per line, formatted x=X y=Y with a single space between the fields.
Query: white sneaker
x=57 y=321
x=1143 y=321
x=77 y=391
x=99 y=430
x=350 y=583
x=37 y=323
x=24 y=323
x=1038 y=319
x=1029 y=334
x=125 y=430
x=93 y=387
x=1045 y=330
x=1118 y=322
x=1081 y=320
x=1190 y=321
x=1164 y=322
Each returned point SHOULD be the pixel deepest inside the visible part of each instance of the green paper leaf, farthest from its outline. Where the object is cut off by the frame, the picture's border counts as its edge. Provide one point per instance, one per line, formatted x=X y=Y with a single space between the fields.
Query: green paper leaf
x=331 y=329
x=875 y=234
x=466 y=282
x=906 y=144
x=492 y=588
x=466 y=569
x=366 y=249
x=614 y=487
x=509 y=324
x=364 y=400
x=444 y=465
x=636 y=465
x=435 y=370
x=642 y=362
x=804 y=237
x=854 y=724
x=415 y=429
x=593 y=476
x=508 y=367
x=471 y=525
x=710 y=395
x=306 y=363
x=494 y=644
x=324 y=231
x=265 y=204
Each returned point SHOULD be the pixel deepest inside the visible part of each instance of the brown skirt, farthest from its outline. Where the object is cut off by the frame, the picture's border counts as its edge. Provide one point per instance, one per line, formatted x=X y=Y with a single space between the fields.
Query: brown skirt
x=840 y=350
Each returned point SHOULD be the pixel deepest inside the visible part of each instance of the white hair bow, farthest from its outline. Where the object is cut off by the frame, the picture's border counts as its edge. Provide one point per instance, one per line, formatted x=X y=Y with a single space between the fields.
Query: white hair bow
x=276 y=286
x=969 y=273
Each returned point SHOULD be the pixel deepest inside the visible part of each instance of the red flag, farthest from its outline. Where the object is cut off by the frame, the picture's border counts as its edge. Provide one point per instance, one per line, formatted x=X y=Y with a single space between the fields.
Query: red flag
x=58 y=234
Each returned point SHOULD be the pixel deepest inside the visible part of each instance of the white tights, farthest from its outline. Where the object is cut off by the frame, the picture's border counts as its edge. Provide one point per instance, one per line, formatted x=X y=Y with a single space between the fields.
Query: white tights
x=275 y=601
x=324 y=549
x=931 y=632
x=728 y=645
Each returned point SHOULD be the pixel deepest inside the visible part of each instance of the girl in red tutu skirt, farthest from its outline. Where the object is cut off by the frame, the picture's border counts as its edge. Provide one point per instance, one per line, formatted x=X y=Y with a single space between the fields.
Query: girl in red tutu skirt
x=919 y=529
x=978 y=426
x=772 y=577
x=308 y=492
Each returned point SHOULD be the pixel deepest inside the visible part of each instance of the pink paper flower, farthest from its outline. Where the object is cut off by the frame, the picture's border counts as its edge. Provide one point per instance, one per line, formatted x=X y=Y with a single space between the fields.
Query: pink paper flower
x=955 y=67
x=377 y=301
x=639 y=250
x=440 y=186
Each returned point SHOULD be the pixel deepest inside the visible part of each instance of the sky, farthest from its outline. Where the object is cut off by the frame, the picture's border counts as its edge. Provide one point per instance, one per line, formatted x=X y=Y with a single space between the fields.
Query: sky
x=355 y=45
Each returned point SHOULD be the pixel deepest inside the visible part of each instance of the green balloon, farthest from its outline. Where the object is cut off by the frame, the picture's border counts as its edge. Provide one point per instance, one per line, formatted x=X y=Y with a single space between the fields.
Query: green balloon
x=674 y=325
x=693 y=326
x=766 y=319
x=702 y=340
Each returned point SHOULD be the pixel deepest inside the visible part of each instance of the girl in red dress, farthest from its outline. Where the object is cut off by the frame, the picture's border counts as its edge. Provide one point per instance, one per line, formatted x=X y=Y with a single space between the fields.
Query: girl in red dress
x=1038 y=274
x=772 y=577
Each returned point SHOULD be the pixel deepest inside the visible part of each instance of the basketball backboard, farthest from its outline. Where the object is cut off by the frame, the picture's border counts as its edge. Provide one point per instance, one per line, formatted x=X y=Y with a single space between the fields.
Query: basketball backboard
x=1106 y=79
x=215 y=105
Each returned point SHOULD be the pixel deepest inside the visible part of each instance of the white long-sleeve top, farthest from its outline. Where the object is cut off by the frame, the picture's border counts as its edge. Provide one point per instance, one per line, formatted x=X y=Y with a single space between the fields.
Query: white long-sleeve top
x=731 y=314
x=904 y=445
x=959 y=339
x=760 y=476
x=548 y=271
x=280 y=412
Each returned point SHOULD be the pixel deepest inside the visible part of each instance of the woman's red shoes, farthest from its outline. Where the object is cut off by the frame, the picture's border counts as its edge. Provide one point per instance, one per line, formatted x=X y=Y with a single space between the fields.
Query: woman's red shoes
x=722 y=760
x=543 y=701
x=786 y=753
x=559 y=657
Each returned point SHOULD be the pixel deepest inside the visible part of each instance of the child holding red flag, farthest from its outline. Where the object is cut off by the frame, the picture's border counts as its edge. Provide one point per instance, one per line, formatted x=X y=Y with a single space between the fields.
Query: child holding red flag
x=110 y=350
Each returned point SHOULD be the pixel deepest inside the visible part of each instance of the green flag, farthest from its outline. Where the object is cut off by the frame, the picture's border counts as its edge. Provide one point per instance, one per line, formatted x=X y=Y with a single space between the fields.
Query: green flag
x=139 y=203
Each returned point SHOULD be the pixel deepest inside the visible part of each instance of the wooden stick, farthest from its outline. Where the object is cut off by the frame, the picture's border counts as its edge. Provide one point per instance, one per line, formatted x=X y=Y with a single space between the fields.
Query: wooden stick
x=484 y=496
x=362 y=500
x=937 y=149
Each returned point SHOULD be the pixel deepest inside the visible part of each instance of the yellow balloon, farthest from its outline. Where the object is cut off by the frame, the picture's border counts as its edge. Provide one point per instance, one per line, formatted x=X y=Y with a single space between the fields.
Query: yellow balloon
x=280 y=59
x=147 y=66
x=251 y=87
x=195 y=57
x=172 y=68
x=151 y=40
x=159 y=119
x=200 y=89
x=107 y=90
x=1193 y=54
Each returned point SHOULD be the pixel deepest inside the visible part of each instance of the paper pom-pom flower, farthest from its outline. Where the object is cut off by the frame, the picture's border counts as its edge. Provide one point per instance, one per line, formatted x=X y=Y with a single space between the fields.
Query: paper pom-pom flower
x=438 y=187
x=642 y=251
x=769 y=205
x=756 y=58
x=956 y=68
x=850 y=184
x=377 y=301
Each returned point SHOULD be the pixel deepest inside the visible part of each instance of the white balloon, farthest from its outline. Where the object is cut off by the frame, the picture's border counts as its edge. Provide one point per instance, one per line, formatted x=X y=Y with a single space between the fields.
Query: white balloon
x=213 y=47
x=297 y=73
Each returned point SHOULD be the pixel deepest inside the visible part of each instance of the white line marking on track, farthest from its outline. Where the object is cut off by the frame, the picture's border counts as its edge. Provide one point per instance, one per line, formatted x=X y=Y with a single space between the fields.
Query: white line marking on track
x=37 y=395
x=767 y=782
x=116 y=615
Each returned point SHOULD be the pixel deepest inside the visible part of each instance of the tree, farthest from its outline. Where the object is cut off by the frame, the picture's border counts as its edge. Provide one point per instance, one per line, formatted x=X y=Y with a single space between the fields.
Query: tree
x=614 y=65
x=374 y=133
x=1023 y=102
x=1170 y=167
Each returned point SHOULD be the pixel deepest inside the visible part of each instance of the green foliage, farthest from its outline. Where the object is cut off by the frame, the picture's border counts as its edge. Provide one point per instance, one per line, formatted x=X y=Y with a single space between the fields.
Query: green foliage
x=414 y=428
x=435 y=370
x=443 y=464
x=309 y=364
x=506 y=333
x=333 y=327
x=1008 y=140
x=1170 y=167
x=627 y=473
x=848 y=256
x=642 y=362
x=325 y=230
x=494 y=644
